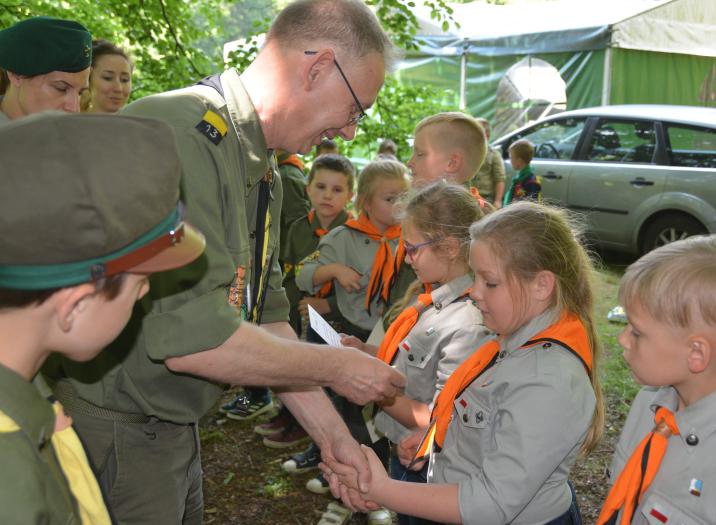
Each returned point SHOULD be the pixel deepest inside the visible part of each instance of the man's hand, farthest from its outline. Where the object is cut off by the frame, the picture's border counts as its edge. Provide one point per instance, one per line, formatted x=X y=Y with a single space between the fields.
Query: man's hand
x=362 y=378
x=319 y=305
x=347 y=277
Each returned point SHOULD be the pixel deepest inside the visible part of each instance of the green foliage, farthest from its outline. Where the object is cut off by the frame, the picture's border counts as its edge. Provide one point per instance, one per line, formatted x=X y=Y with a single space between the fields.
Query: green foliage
x=394 y=115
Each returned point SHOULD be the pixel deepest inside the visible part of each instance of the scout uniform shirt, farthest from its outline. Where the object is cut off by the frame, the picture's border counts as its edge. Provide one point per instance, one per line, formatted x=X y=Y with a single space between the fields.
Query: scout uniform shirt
x=295 y=203
x=446 y=333
x=188 y=310
x=33 y=487
x=490 y=173
x=301 y=242
x=355 y=250
x=516 y=432
x=684 y=488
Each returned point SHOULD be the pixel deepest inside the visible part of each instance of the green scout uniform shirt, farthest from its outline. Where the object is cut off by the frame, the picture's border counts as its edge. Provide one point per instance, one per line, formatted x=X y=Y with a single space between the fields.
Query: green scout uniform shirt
x=187 y=309
x=33 y=488
x=516 y=432
x=684 y=488
x=490 y=173
x=295 y=203
x=3 y=117
x=302 y=241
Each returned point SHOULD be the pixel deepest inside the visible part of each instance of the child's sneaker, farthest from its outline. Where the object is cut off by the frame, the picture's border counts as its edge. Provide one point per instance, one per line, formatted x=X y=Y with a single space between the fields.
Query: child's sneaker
x=318 y=485
x=276 y=424
x=290 y=436
x=303 y=461
x=381 y=516
x=336 y=514
x=243 y=408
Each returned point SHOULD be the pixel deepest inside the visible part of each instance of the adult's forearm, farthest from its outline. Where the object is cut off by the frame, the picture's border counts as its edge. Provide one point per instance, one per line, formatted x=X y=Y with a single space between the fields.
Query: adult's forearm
x=315 y=412
x=256 y=356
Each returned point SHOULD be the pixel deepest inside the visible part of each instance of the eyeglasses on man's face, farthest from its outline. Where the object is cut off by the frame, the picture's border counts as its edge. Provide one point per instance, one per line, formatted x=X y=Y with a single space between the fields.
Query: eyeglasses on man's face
x=359 y=113
x=412 y=249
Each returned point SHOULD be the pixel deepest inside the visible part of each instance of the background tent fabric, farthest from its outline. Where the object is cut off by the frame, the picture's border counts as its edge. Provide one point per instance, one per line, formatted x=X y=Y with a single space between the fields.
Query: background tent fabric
x=606 y=52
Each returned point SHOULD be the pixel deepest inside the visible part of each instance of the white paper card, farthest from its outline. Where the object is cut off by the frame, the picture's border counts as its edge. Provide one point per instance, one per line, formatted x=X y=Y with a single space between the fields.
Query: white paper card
x=322 y=328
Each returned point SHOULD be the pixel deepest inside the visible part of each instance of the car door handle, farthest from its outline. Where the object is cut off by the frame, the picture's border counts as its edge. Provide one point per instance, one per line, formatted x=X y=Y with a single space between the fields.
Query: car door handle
x=641 y=181
x=551 y=175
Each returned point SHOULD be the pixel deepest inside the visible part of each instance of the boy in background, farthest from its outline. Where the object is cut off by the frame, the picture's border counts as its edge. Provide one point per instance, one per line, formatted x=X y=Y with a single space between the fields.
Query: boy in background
x=670 y=344
x=524 y=183
x=90 y=209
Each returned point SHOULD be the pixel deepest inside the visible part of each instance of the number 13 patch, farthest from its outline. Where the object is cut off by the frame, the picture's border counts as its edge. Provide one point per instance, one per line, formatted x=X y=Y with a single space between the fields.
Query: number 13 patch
x=213 y=127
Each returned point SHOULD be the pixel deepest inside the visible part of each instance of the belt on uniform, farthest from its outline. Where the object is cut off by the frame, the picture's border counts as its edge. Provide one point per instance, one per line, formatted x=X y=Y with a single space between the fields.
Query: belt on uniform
x=66 y=394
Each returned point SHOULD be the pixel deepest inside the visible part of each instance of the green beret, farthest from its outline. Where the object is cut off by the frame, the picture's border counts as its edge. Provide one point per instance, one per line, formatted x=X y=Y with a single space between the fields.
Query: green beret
x=39 y=45
x=86 y=196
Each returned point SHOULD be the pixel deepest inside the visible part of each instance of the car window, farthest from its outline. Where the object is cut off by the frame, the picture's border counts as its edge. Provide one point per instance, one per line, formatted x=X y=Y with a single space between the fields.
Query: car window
x=622 y=141
x=691 y=147
x=555 y=139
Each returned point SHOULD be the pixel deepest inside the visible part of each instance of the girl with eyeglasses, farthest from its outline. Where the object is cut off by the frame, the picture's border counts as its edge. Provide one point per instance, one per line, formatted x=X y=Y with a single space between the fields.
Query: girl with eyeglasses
x=441 y=326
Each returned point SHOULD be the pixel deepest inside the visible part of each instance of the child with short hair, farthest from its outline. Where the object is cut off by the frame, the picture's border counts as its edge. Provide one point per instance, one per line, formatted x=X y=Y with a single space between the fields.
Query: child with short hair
x=510 y=421
x=442 y=326
x=73 y=260
x=450 y=146
x=330 y=188
x=524 y=183
x=664 y=466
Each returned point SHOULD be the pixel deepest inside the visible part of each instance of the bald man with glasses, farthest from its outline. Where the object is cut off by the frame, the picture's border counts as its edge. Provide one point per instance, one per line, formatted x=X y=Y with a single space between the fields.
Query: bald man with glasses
x=199 y=328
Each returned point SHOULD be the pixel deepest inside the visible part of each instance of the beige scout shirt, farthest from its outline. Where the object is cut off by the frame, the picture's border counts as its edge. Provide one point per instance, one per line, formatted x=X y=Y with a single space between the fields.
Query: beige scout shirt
x=187 y=310
x=690 y=460
x=490 y=173
x=354 y=249
x=516 y=431
x=446 y=334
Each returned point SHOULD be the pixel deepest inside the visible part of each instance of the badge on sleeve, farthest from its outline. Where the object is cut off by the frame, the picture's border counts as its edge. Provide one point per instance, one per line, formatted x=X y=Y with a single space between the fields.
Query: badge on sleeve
x=213 y=127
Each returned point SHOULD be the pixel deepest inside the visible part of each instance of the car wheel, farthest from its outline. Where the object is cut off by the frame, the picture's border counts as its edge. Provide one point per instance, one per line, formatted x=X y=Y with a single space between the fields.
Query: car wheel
x=670 y=228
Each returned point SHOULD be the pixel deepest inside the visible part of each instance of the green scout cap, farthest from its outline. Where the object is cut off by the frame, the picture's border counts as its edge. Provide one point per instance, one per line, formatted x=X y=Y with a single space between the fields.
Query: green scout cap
x=86 y=196
x=43 y=44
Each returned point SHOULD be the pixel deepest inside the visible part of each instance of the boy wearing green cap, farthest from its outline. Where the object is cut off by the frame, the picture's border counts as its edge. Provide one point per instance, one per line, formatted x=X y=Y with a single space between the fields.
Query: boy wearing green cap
x=44 y=65
x=89 y=210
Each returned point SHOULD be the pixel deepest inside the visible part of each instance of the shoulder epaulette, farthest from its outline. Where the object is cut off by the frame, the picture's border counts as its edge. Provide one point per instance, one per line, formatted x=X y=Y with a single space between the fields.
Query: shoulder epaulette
x=213 y=127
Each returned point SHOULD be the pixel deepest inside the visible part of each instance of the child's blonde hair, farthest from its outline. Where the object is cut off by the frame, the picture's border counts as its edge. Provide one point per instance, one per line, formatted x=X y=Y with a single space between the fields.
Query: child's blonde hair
x=676 y=283
x=528 y=238
x=461 y=131
x=523 y=149
x=376 y=171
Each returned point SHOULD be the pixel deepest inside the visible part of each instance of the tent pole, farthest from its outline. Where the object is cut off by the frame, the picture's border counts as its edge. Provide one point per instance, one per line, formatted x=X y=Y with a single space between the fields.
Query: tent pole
x=607 y=76
x=463 y=76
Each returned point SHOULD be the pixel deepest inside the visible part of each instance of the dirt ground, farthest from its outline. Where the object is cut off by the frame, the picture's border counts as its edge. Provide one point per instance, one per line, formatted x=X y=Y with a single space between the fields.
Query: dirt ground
x=244 y=483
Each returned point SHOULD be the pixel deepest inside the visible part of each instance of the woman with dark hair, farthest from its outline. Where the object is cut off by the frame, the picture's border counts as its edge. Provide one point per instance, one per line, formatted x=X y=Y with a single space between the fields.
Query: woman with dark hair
x=110 y=78
x=44 y=65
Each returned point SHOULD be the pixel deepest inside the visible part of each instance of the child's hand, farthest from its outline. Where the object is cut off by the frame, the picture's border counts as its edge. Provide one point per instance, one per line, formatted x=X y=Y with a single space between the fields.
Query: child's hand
x=319 y=305
x=351 y=340
x=408 y=447
x=347 y=277
x=378 y=476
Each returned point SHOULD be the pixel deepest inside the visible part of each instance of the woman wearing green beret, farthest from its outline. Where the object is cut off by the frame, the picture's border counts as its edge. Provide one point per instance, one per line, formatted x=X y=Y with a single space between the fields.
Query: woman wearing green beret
x=44 y=65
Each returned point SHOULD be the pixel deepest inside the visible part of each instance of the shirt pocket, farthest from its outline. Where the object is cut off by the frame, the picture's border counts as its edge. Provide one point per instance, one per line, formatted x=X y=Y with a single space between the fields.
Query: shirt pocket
x=658 y=509
x=471 y=411
x=416 y=354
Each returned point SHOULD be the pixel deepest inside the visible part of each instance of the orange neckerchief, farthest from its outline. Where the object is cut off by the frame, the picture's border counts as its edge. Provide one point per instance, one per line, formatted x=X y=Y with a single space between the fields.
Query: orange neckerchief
x=639 y=471
x=384 y=264
x=293 y=160
x=401 y=327
x=568 y=331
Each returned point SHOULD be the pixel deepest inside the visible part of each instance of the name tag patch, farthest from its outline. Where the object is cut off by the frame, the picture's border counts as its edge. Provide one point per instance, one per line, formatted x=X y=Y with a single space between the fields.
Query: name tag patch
x=213 y=127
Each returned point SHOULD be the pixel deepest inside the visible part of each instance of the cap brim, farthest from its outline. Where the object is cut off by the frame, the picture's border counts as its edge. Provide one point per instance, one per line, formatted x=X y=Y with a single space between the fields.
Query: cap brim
x=190 y=247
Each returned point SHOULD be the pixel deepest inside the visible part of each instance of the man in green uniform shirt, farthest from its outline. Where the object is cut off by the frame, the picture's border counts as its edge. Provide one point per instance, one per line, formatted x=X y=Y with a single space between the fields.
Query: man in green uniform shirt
x=136 y=405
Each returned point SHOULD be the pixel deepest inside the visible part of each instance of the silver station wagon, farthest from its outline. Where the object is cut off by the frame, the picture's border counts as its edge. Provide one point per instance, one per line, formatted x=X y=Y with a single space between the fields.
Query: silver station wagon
x=642 y=175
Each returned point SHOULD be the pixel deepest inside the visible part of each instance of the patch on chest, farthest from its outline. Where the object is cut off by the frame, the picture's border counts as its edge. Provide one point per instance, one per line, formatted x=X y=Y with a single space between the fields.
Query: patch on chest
x=213 y=127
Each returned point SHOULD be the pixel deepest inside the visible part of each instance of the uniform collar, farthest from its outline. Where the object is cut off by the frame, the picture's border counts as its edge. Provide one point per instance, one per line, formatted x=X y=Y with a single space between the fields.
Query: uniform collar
x=531 y=328
x=694 y=420
x=448 y=292
x=21 y=401
x=246 y=123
